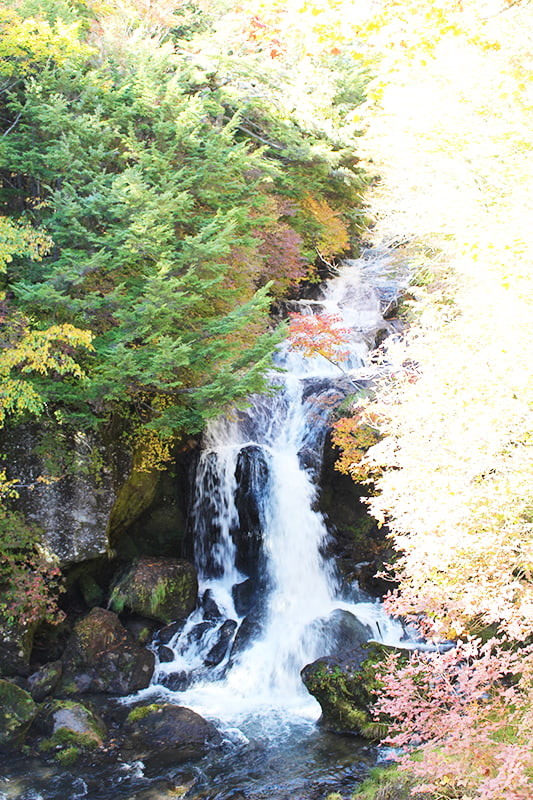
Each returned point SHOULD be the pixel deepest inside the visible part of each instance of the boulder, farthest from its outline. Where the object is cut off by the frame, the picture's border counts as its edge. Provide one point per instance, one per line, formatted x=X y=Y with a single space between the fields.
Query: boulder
x=69 y=726
x=162 y=589
x=344 y=631
x=17 y=712
x=102 y=656
x=168 y=734
x=343 y=685
x=43 y=682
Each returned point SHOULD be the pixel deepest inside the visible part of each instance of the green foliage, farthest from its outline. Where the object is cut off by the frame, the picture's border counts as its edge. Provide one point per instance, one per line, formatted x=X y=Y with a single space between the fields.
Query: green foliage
x=178 y=196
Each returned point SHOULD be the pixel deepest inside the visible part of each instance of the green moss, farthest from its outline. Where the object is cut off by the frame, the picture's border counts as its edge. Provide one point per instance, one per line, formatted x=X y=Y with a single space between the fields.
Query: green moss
x=64 y=737
x=388 y=783
x=68 y=756
x=140 y=712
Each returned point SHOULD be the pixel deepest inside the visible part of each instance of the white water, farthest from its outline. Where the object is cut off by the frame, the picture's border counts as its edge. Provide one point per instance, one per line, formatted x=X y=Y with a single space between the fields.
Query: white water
x=268 y=448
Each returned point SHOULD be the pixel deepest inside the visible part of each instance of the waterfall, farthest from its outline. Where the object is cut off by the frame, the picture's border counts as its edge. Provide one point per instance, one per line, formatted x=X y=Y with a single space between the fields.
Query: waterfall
x=268 y=595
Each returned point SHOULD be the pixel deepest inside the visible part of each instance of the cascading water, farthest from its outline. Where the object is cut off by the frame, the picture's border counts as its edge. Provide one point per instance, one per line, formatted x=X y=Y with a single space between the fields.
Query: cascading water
x=269 y=599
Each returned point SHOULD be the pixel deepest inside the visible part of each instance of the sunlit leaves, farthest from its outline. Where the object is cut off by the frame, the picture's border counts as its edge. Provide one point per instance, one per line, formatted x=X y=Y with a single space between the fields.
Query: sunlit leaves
x=37 y=352
x=319 y=334
x=467 y=714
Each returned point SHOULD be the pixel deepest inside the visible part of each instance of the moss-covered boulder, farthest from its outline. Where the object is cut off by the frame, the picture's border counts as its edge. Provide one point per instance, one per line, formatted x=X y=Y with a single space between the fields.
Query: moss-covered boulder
x=69 y=729
x=17 y=712
x=102 y=656
x=162 y=589
x=167 y=733
x=343 y=686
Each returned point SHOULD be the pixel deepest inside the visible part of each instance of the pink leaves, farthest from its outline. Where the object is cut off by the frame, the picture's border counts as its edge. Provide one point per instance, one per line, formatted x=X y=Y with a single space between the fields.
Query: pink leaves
x=467 y=713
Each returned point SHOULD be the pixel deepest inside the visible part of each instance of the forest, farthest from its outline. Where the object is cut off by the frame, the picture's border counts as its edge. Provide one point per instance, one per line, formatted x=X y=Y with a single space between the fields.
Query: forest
x=173 y=175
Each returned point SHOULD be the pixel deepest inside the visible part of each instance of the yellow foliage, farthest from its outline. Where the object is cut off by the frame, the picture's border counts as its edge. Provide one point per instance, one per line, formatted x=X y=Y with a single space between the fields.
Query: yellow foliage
x=333 y=238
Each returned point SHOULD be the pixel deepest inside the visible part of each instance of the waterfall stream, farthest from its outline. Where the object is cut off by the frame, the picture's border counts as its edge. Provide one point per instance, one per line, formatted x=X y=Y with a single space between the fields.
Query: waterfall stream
x=269 y=598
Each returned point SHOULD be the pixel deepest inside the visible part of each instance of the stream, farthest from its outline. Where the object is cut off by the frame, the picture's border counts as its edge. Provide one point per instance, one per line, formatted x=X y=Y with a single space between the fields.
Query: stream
x=269 y=598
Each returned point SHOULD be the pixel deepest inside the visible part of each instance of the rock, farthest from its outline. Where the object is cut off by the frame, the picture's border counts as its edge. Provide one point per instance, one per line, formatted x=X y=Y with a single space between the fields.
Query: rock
x=164 y=635
x=91 y=591
x=342 y=684
x=162 y=589
x=66 y=724
x=209 y=606
x=355 y=538
x=165 y=654
x=221 y=646
x=141 y=629
x=176 y=681
x=245 y=597
x=252 y=476
x=17 y=712
x=344 y=631
x=73 y=511
x=16 y=643
x=101 y=656
x=168 y=734
x=249 y=629
x=43 y=682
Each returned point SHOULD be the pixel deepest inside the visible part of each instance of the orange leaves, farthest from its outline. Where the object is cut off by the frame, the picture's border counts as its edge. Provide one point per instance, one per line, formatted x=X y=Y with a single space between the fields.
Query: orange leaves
x=322 y=334
x=333 y=237
x=353 y=437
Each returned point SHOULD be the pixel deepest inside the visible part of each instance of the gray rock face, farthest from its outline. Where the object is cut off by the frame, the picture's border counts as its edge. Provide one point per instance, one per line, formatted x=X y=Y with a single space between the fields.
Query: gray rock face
x=101 y=656
x=72 y=510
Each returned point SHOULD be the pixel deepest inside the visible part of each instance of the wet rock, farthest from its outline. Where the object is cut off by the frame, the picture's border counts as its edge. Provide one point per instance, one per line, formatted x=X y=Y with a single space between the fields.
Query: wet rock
x=252 y=475
x=167 y=734
x=164 y=635
x=343 y=685
x=43 y=682
x=165 y=654
x=244 y=596
x=17 y=712
x=176 y=681
x=220 y=648
x=248 y=630
x=209 y=606
x=162 y=589
x=101 y=656
x=343 y=631
x=198 y=631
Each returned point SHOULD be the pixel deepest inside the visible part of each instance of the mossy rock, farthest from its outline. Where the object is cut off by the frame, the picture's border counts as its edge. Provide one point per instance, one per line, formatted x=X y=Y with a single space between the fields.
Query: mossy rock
x=70 y=729
x=102 y=656
x=343 y=686
x=167 y=733
x=162 y=589
x=17 y=712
